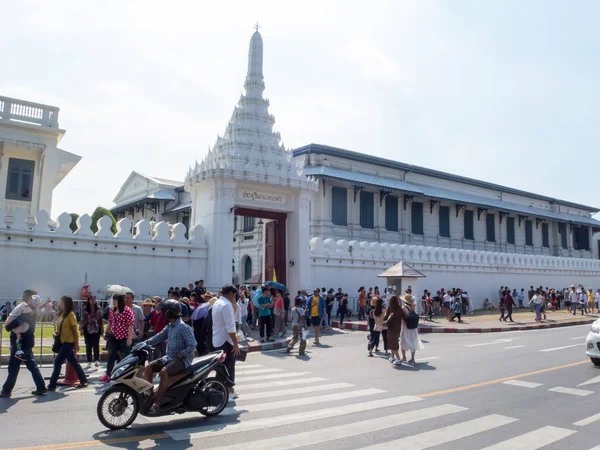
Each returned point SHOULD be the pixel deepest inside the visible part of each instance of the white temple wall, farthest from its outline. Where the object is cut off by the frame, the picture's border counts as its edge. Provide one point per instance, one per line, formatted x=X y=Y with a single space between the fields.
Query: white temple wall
x=51 y=258
x=481 y=273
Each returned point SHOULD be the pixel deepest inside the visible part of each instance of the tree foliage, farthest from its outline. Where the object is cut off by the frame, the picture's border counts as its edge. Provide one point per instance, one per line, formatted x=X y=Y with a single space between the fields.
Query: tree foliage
x=100 y=212
x=74 y=217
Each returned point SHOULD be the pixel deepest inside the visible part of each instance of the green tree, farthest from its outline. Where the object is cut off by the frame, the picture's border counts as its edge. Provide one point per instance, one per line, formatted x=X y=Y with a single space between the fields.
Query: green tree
x=97 y=214
x=73 y=225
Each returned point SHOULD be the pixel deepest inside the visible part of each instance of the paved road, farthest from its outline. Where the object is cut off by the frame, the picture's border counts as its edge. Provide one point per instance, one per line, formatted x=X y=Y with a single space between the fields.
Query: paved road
x=527 y=390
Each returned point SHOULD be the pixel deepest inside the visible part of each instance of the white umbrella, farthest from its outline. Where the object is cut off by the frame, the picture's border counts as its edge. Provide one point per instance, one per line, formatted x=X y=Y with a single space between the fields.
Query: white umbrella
x=114 y=289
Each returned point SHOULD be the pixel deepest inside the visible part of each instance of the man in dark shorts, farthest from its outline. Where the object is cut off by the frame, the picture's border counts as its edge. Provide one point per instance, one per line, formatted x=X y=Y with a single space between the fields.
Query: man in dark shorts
x=316 y=309
x=180 y=350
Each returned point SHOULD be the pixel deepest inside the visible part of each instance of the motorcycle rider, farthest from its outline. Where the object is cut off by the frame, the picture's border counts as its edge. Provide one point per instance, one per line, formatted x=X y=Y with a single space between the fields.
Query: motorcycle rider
x=180 y=350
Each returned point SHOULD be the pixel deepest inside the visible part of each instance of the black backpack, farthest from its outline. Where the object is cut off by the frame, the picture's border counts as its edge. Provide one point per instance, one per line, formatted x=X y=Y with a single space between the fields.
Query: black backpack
x=412 y=321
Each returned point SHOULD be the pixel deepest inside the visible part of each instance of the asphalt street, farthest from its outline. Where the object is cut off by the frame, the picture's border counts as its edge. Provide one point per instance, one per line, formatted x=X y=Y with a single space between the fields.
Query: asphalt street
x=511 y=390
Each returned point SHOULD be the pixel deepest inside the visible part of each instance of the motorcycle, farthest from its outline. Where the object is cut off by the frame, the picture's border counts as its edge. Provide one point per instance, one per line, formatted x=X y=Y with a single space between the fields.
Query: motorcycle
x=191 y=390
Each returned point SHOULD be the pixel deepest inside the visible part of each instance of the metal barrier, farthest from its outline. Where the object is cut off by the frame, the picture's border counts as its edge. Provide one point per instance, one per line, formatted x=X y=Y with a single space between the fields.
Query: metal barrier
x=43 y=330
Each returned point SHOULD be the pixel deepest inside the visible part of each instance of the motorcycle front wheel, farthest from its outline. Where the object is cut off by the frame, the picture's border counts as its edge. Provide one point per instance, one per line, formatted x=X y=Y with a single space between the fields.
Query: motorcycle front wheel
x=117 y=408
x=218 y=385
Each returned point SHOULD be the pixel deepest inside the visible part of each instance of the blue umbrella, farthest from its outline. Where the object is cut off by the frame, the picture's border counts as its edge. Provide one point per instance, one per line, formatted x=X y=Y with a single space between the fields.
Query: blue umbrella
x=276 y=285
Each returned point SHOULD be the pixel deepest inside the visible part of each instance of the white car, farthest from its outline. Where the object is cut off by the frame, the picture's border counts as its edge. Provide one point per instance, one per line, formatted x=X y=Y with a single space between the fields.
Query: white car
x=593 y=343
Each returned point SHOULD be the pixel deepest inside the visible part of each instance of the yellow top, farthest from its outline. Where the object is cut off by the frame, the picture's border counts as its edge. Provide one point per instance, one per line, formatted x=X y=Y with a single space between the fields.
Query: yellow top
x=66 y=329
x=314 y=306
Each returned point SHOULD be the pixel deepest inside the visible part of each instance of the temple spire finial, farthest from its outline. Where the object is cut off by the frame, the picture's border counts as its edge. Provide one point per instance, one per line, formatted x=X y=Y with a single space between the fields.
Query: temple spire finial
x=256 y=26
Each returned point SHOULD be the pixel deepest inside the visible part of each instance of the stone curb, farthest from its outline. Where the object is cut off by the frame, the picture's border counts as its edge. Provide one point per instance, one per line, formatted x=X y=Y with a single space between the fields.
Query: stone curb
x=423 y=330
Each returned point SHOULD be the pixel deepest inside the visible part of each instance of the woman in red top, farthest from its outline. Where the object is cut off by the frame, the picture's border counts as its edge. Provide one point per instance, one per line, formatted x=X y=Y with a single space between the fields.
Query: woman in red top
x=157 y=324
x=119 y=333
x=278 y=312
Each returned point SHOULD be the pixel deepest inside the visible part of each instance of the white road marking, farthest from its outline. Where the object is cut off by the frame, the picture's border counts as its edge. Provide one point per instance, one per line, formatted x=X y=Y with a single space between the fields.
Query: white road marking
x=270 y=377
x=268 y=406
x=347 y=430
x=587 y=421
x=514 y=346
x=497 y=341
x=591 y=381
x=303 y=390
x=218 y=429
x=579 y=337
x=446 y=434
x=525 y=384
x=533 y=440
x=248 y=366
x=256 y=372
x=560 y=348
x=429 y=358
x=571 y=391
x=253 y=386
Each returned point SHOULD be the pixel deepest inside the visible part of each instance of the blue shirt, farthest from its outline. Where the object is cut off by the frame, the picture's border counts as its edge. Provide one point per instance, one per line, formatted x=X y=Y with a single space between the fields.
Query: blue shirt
x=181 y=340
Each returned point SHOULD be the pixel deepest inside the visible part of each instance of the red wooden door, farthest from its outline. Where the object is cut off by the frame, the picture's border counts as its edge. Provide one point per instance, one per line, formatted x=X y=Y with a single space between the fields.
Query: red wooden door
x=270 y=249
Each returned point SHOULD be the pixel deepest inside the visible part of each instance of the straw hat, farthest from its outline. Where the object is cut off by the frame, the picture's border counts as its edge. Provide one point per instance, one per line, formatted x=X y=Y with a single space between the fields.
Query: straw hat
x=409 y=300
x=208 y=295
x=147 y=302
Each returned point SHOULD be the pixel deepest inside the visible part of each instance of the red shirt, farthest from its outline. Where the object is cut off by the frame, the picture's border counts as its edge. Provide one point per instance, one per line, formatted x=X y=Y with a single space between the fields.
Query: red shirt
x=120 y=322
x=158 y=321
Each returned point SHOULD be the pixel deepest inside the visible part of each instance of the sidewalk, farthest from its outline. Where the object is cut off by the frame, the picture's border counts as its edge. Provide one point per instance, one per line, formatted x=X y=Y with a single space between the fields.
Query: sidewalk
x=487 y=322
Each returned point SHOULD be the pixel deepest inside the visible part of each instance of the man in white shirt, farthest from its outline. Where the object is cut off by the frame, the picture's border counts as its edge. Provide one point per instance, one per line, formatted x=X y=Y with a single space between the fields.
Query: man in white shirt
x=224 y=338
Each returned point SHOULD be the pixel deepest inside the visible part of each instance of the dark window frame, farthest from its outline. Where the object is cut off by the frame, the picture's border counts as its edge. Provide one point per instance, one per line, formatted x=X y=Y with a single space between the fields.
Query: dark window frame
x=19 y=168
x=469 y=225
x=367 y=210
x=339 y=199
x=510 y=231
x=490 y=220
x=249 y=224
x=545 y=235
x=444 y=221
x=564 y=238
x=529 y=233
x=416 y=220
x=391 y=213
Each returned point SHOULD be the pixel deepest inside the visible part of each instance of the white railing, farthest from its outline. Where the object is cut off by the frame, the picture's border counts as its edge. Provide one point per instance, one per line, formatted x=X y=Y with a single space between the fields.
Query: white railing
x=28 y=112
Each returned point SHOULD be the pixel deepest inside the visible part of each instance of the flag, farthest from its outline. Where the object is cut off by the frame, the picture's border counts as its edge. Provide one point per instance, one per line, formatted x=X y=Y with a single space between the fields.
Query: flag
x=274 y=276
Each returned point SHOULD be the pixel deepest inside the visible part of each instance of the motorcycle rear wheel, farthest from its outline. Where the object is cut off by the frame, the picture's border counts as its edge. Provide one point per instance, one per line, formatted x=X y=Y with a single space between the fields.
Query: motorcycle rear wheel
x=117 y=408
x=210 y=411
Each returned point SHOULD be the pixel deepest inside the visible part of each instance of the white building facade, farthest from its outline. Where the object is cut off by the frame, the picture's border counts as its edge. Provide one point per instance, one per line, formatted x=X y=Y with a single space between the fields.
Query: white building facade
x=349 y=215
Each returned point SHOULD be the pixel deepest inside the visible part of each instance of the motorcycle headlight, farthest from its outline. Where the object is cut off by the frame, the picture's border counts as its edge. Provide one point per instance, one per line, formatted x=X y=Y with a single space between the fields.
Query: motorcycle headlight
x=595 y=328
x=117 y=373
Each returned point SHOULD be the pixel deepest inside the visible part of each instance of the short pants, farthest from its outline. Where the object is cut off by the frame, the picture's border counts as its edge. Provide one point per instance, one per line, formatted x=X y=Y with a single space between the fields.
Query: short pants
x=316 y=321
x=174 y=367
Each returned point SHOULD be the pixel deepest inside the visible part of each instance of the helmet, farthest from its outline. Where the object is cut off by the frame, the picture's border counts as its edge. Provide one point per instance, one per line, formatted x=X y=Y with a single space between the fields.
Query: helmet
x=171 y=309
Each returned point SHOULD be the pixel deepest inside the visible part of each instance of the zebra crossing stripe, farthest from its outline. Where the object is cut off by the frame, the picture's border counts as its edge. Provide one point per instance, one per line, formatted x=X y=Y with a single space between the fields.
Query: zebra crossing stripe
x=347 y=430
x=284 y=393
x=571 y=391
x=243 y=388
x=256 y=372
x=533 y=440
x=525 y=384
x=219 y=429
x=587 y=421
x=307 y=400
x=241 y=365
x=270 y=377
x=446 y=434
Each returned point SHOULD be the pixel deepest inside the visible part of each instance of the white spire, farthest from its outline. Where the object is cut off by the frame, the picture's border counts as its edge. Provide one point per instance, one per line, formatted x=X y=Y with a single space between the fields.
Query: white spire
x=254 y=77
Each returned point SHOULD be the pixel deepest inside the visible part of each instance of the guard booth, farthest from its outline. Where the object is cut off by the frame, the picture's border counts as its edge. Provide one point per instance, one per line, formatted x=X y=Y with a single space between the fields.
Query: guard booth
x=400 y=277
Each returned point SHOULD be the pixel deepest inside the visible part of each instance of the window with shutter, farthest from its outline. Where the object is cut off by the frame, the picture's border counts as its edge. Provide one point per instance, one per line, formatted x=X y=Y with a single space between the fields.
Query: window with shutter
x=444 y=221
x=417 y=217
x=562 y=230
x=545 y=236
x=248 y=224
x=490 y=225
x=367 y=210
x=510 y=230
x=339 y=206
x=391 y=213
x=528 y=233
x=469 y=232
x=581 y=238
x=19 y=183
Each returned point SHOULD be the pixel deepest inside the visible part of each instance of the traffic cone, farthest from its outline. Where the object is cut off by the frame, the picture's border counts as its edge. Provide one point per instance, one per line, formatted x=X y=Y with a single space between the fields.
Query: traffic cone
x=71 y=378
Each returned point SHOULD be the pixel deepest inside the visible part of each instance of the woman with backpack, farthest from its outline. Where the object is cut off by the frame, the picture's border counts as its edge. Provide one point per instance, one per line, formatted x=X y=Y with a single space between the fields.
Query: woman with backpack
x=92 y=327
x=409 y=335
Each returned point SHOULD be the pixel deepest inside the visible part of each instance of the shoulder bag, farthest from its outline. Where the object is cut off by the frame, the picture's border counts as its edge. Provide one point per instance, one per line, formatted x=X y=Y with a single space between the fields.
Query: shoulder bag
x=56 y=345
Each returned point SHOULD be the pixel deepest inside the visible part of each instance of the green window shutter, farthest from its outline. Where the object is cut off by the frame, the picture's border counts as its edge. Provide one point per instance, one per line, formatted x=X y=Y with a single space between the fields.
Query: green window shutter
x=469 y=232
x=19 y=182
x=339 y=206
x=391 y=213
x=510 y=230
x=444 y=221
x=417 y=218
x=562 y=230
x=490 y=225
x=367 y=210
x=545 y=236
x=528 y=232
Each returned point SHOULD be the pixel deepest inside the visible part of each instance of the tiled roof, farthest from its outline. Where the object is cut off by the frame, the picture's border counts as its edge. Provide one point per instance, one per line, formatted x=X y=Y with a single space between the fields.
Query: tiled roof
x=401 y=270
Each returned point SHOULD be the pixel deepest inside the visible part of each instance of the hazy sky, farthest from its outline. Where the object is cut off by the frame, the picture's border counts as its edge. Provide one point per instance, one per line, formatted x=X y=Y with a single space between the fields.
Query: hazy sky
x=503 y=91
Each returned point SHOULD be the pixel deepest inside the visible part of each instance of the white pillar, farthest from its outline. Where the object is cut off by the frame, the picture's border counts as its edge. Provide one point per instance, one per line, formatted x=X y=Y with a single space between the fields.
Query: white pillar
x=212 y=206
x=299 y=276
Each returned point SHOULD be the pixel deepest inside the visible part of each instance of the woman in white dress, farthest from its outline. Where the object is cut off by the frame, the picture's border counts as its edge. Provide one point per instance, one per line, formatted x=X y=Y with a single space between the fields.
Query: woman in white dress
x=409 y=339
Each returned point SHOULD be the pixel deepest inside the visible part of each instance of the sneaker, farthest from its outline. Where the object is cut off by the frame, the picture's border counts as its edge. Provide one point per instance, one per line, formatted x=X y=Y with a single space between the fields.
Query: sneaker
x=263 y=341
x=270 y=340
x=4 y=394
x=316 y=342
x=397 y=362
x=391 y=359
x=51 y=388
x=234 y=395
x=39 y=392
x=97 y=364
x=81 y=385
x=104 y=379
